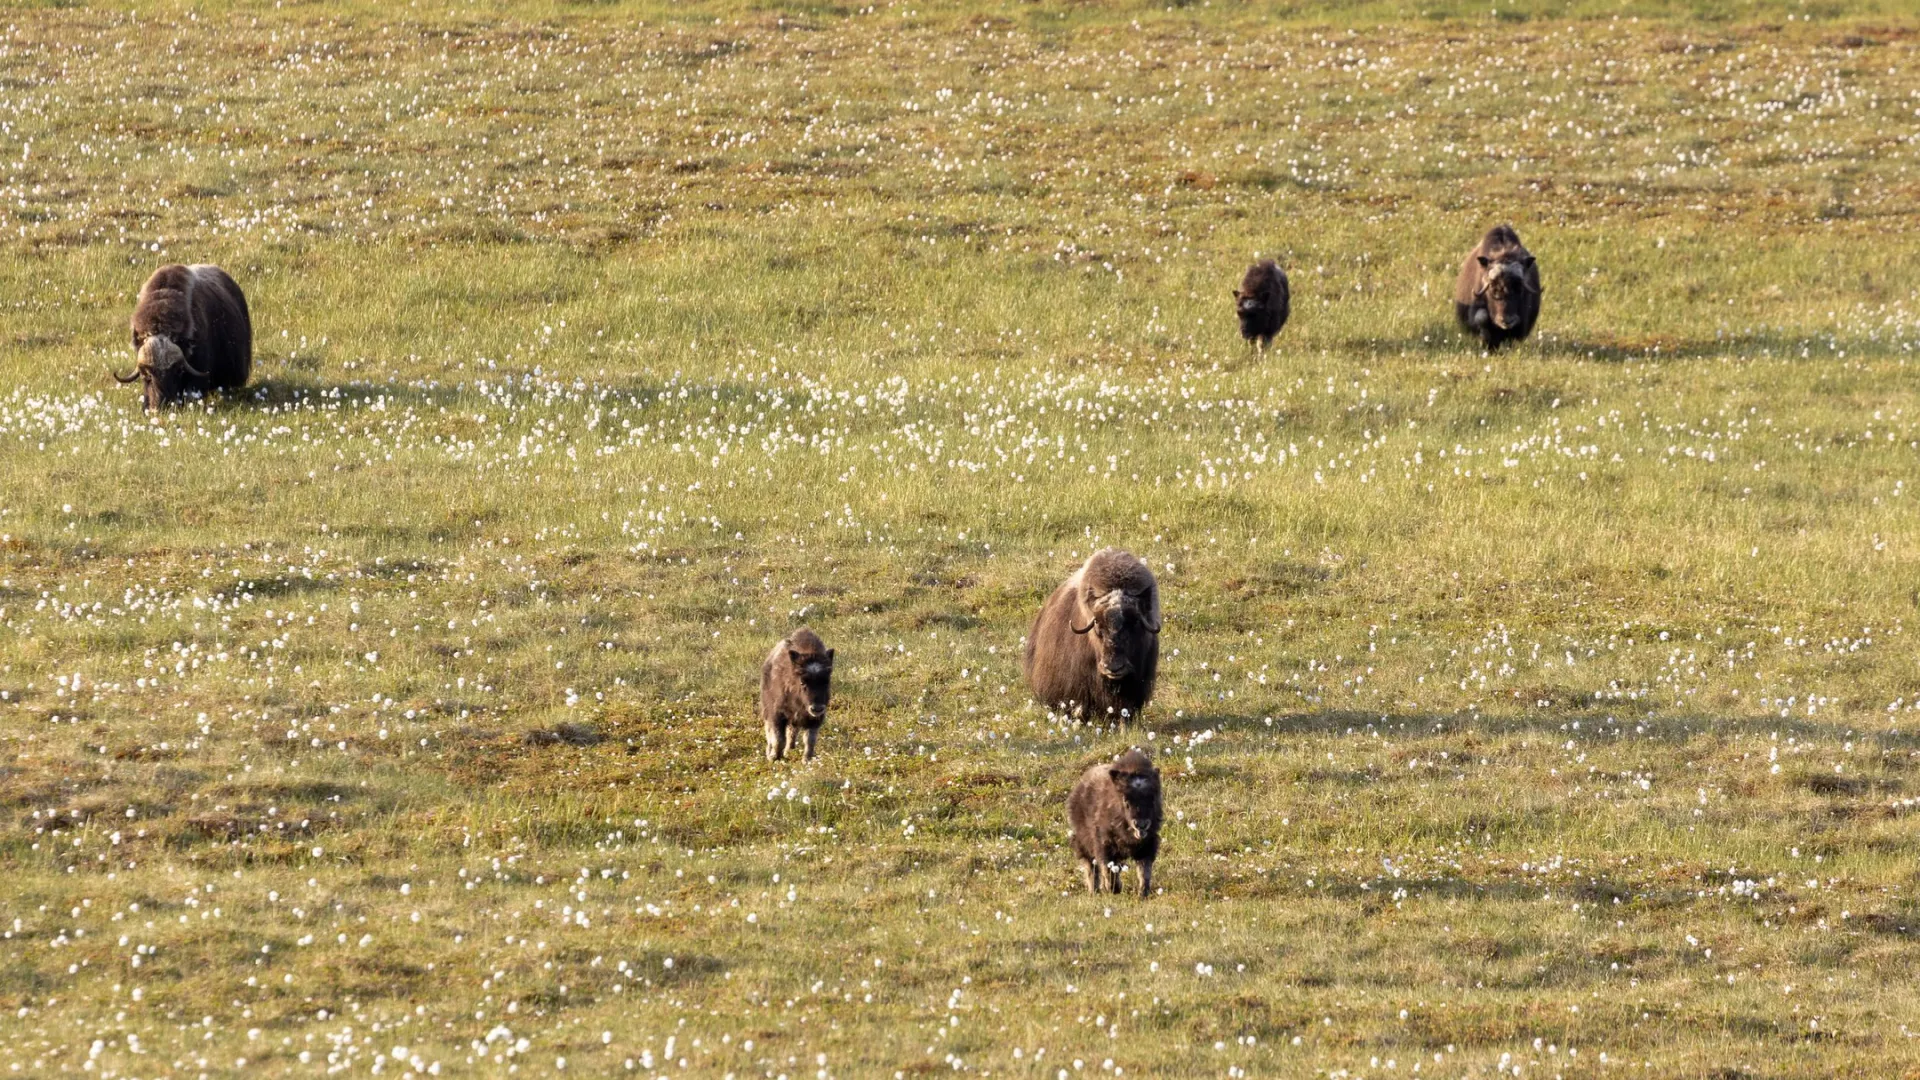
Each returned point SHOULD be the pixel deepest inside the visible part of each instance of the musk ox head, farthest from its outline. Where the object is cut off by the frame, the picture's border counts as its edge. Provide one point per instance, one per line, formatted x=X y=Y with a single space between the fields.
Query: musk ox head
x=161 y=365
x=1507 y=287
x=1252 y=311
x=814 y=670
x=1118 y=624
x=1138 y=783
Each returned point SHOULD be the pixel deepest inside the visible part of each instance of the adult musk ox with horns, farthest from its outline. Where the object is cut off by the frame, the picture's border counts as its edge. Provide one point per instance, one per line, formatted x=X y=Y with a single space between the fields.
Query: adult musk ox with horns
x=1095 y=646
x=1497 y=296
x=191 y=332
x=1262 y=302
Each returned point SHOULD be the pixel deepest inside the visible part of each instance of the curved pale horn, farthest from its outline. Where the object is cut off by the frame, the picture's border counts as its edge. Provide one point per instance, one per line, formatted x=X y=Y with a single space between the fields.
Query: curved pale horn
x=117 y=377
x=1079 y=629
x=191 y=370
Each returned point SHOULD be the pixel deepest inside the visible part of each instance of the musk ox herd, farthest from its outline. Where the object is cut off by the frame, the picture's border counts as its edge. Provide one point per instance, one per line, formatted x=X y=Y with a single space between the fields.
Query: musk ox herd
x=1094 y=648
x=192 y=332
x=1091 y=654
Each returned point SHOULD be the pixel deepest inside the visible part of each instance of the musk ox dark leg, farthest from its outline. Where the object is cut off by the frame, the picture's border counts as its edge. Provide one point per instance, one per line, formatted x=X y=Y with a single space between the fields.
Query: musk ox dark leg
x=813 y=733
x=1481 y=324
x=1091 y=868
x=1146 y=878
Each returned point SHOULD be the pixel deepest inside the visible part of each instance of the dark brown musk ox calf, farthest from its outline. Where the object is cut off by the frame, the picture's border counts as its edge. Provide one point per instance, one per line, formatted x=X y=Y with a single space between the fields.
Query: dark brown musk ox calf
x=191 y=332
x=1114 y=815
x=1497 y=297
x=795 y=684
x=1095 y=646
x=1263 y=302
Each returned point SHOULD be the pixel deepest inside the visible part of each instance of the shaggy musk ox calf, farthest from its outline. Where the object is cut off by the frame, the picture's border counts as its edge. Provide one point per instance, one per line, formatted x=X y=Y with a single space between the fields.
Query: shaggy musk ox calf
x=1262 y=302
x=795 y=684
x=1497 y=296
x=1114 y=812
x=1095 y=645
x=191 y=332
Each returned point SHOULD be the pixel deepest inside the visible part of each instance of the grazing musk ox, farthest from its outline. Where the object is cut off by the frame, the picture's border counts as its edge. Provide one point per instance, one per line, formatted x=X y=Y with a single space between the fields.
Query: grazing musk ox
x=1114 y=815
x=1497 y=296
x=1095 y=645
x=191 y=332
x=795 y=685
x=1262 y=302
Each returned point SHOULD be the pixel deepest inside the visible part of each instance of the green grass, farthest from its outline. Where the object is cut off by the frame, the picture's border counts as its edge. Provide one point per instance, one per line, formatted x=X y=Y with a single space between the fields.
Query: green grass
x=1512 y=706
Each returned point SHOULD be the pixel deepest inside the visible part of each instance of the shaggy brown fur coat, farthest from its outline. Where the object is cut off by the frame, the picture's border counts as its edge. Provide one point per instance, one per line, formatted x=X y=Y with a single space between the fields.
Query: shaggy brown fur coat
x=1094 y=649
x=1262 y=302
x=1114 y=815
x=1497 y=295
x=795 y=686
x=191 y=332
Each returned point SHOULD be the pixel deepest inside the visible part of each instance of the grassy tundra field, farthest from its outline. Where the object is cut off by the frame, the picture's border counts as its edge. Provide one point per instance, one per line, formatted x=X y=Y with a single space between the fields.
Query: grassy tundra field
x=1548 y=713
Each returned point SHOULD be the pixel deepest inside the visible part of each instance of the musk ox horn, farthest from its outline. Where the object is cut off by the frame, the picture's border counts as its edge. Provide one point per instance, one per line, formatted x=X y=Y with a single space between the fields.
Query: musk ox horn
x=119 y=378
x=1080 y=629
x=1153 y=625
x=191 y=370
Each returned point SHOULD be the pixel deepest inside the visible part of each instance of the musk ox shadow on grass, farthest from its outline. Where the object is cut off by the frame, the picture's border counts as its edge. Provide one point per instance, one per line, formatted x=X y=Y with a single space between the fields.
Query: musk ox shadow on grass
x=1497 y=296
x=1095 y=646
x=1114 y=815
x=191 y=333
x=1262 y=302
x=795 y=685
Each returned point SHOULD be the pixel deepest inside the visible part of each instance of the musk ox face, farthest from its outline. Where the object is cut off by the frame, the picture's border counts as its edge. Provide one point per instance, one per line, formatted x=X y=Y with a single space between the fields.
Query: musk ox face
x=1139 y=785
x=1252 y=313
x=1117 y=628
x=1506 y=289
x=815 y=671
x=161 y=366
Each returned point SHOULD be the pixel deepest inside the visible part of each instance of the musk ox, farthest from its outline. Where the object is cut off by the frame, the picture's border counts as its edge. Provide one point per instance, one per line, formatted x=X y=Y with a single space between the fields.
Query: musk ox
x=1095 y=645
x=795 y=684
x=191 y=332
x=1262 y=302
x=1114 y=815
x=1497 y=297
